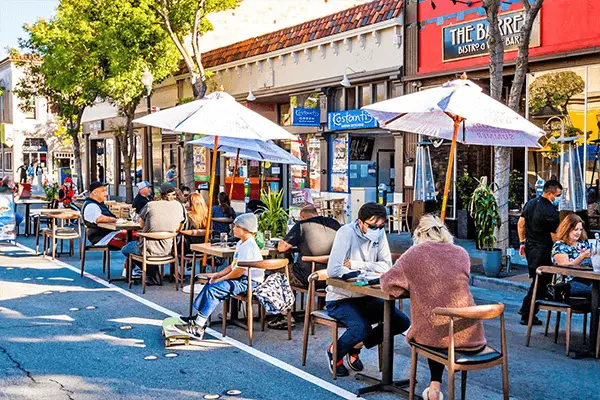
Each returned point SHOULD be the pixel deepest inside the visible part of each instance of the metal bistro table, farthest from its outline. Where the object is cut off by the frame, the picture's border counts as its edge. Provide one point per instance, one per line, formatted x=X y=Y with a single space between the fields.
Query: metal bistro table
x=387 y=383
x=594 y=277
x=129 y=227
x=216 y=250
x=27 y=203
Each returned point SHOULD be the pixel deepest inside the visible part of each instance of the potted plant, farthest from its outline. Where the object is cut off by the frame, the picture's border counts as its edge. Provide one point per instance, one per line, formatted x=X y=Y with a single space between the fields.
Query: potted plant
x=465 y=185
x=484 y=210
x=51 y=191
x=272 y=216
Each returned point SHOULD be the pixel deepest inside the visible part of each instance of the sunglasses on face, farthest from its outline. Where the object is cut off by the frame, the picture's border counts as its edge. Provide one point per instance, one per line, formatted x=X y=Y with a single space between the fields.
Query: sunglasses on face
x=376 y=227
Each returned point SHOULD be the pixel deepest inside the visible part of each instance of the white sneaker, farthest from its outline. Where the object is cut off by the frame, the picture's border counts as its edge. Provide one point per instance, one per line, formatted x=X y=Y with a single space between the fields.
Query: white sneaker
x=136 y=273
x=426 y=395
x=124 y=273
x=197 y=288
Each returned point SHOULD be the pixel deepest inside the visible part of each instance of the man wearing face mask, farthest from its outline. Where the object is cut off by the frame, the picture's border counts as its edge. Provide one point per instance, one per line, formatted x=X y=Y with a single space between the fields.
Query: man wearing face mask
x=360 y=248
x=536 y=228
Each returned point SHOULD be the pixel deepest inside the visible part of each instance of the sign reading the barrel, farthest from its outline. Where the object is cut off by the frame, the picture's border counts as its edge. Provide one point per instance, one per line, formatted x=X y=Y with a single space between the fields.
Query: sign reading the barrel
x=470 y=39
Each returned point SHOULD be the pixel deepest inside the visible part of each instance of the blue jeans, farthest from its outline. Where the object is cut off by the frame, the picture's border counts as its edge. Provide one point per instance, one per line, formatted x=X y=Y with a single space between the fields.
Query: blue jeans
x=359 y=314
x=212 y=294
x=131 y=248
x=579 y=289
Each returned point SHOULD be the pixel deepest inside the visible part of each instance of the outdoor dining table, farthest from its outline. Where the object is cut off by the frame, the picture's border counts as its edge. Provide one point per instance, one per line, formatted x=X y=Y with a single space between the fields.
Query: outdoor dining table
x=28 y=203
x=387 y=383
x=594 y=277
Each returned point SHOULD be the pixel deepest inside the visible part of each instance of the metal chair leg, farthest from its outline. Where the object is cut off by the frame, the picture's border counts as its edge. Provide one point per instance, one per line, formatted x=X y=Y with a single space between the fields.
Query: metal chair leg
x=413 y=373
x=463 y=385
x=557 y=326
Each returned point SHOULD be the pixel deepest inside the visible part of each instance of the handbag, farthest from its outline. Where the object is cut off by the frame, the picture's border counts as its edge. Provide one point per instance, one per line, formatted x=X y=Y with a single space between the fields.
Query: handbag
x=560 y=292
x=275 y=294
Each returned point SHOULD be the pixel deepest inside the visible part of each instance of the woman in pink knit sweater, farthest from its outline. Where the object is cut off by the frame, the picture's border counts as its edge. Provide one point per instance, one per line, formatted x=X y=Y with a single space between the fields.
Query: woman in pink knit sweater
x=435 y=273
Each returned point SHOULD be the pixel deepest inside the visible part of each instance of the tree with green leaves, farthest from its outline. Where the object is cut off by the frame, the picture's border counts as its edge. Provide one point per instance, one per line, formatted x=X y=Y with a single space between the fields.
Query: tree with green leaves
x=68 y=73
x=130 y=41
x=555 y=90
x=185 y=21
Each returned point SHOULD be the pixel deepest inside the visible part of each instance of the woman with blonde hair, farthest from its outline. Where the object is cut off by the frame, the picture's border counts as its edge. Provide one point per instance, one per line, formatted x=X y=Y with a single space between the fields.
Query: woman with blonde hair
x=572 y=249
x=431 y=270
x=197 y=218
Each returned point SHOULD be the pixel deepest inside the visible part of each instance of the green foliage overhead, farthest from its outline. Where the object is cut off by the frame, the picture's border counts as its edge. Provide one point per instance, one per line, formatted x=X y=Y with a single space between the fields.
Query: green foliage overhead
x=515 y=190
x=484 y=210
x=554 y=90
x=273 y=218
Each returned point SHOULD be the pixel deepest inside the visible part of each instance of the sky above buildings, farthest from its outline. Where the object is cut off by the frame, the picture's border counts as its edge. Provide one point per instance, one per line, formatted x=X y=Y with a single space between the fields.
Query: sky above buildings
x=251 y=18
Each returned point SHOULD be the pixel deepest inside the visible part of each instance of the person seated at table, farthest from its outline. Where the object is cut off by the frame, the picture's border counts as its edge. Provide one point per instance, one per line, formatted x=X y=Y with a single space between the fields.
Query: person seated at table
x=9 y=185
x=143 y=197
x=231 y=280
x=359 y=248
x=572 y=249
x=94 y=212
x=197 y=218
x=435 y=273
x=186 y=191
x=165 y=215
x=222 y=210
x=66 y=192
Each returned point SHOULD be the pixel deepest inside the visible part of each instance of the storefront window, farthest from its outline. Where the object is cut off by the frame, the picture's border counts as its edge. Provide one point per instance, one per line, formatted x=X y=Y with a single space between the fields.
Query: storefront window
x=339 y=163
x=380 y=92
x=109 y=160
x=285 y=116
x=395 y=90
x=31 y=109
x=338 y=100
x=366 y=97
x=8 y=164
x=351 y=98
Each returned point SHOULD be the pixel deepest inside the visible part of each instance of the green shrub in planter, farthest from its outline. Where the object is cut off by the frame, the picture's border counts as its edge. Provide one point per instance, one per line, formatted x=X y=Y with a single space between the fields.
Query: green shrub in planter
x=273 y=217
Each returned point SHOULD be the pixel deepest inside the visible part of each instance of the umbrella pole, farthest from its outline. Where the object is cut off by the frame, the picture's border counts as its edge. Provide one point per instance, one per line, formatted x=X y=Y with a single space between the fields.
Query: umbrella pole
x=211 y=191
x=235 y=167
x=457 y=121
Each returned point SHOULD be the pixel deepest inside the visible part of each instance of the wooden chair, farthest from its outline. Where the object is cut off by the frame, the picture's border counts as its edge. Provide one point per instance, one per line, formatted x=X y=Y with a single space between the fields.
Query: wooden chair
x=321 y=317
x=575 y=306
x=399 y=214
x=464 y=361
x=171 y=259
x=38 y=219
x=91 y=247
x=314 y=260
x=250 y=300
x=58 y=232
x=185 y=235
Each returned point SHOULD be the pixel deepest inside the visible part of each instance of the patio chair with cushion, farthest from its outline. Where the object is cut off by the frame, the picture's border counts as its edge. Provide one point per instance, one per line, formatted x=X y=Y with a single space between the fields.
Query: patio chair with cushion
x=455 y=360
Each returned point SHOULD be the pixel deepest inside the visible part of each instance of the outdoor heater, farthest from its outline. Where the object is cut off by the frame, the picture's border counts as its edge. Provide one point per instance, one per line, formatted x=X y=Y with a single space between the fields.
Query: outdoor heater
x=571 y=177
x=424 y=184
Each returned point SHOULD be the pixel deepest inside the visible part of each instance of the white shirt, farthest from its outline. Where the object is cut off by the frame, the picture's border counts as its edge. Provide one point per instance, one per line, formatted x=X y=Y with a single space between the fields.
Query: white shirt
x=248 y=251
x=91 y=213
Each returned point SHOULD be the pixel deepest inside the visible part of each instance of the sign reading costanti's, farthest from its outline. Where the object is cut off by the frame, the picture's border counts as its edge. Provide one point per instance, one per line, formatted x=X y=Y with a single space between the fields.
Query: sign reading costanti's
x=306 y=117
x=351 y=119
x=470 y=39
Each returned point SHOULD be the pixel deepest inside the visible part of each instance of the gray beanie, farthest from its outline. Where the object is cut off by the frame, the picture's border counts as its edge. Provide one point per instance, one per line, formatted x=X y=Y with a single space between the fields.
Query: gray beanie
x=247 y=221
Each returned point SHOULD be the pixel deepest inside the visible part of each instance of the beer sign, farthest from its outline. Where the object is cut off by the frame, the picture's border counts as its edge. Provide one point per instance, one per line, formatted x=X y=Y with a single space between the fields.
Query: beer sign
x=470 y=39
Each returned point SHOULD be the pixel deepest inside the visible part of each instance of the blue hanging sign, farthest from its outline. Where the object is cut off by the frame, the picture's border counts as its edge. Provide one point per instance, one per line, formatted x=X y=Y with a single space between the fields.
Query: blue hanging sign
x=306 y=117
x=351 y=119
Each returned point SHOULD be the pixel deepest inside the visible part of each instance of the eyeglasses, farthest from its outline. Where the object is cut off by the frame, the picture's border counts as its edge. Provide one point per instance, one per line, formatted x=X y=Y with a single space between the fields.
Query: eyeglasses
x=377 y=227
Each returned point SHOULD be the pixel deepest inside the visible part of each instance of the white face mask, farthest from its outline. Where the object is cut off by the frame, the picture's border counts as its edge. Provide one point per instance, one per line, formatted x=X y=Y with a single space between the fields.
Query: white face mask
x=373 y=234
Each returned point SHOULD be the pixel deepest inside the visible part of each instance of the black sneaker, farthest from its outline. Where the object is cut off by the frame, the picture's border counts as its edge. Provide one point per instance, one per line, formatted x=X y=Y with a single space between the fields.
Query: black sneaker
x=525 y=321
x=340 y=369
x=195 y=330
x=280 y=323
x=353 y=361
x=187 y=320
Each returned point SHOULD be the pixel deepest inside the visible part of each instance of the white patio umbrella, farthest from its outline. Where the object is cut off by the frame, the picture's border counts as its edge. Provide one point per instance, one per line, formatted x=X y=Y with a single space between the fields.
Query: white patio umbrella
x=457 y=111
x=217 y=115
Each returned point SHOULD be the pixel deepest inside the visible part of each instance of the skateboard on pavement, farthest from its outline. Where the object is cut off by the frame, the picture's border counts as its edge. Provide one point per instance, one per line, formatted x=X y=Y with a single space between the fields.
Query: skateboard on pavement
x=173 y=335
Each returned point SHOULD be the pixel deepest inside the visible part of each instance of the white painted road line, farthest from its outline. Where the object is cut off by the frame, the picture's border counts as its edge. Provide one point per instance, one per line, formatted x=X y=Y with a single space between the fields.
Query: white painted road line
x=250 y=350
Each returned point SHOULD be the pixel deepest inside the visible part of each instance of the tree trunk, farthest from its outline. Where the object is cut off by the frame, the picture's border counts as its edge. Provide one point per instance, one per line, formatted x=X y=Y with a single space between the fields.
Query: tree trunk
x=73 y=130
x=198 y=86
x=127 y=142
x=187 y=175
x=502 y=155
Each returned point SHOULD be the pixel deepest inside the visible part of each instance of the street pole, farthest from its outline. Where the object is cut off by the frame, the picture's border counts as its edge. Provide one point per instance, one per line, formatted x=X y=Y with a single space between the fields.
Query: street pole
x=149 y=161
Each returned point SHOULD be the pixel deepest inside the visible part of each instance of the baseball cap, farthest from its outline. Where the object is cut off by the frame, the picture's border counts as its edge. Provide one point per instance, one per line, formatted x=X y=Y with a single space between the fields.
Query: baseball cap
x=166 y=189
x=95 y=185
x=68 y=180
x=247 y=221
x=143 y=184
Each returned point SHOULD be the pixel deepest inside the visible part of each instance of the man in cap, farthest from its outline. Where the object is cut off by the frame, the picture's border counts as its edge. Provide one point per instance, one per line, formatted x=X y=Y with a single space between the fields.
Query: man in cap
x=165 y=215
x=143 y=197
x=66 y=192
x=230 y=281
x=95 y=212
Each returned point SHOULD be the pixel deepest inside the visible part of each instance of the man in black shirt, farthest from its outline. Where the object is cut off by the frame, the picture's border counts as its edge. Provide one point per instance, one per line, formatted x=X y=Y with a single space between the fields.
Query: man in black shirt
x=314 y=236
x=143 y=197
x=536 y=227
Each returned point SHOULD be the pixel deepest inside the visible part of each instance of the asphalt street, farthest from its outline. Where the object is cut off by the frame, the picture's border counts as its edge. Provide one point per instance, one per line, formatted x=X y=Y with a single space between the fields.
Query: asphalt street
x=48 y=350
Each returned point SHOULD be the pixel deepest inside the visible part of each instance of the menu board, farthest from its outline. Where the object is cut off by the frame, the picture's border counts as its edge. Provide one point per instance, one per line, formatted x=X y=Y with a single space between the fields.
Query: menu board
x=314 y=163
x=339 y=169
x=201 y=164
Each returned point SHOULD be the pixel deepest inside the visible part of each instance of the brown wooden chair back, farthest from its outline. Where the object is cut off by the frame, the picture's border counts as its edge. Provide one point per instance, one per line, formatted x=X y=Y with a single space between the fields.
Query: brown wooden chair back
x=483 y=312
